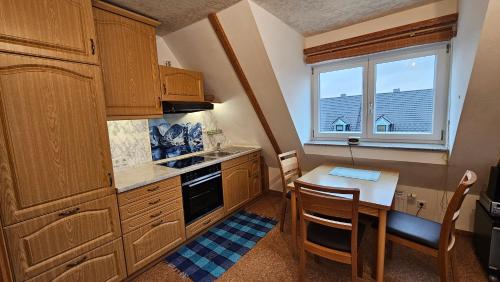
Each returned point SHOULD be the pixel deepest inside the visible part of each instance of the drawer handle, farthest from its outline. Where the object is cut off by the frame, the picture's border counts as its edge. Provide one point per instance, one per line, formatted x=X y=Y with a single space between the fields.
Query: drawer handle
x=207 y=222
x=73 y=264
x=69 y=212
x=153 y=189
x=156 y=214
x=157 y=223
x=155 y=202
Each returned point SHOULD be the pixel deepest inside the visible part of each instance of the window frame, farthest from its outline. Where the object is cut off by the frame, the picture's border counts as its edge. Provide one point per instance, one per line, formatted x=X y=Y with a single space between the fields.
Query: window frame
x=441 y=96
x=340 y=65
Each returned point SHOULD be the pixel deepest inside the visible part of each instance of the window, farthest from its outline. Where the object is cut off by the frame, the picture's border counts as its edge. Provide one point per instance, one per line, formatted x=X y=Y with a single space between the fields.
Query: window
x=396 y=96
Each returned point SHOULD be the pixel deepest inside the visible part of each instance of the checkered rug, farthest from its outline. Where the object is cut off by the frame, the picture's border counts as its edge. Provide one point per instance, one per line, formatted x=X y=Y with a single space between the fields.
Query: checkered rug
x=215 y=251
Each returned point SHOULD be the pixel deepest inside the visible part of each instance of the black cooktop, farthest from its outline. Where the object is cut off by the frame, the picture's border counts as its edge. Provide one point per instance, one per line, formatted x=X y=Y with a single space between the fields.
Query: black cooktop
x=182 y=163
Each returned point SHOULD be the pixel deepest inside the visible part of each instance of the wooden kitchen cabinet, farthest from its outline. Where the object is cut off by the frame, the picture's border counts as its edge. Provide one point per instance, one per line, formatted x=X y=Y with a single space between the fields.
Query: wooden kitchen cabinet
x=127 y=49
x=255 y=178
x=104 y=264
x=54 y=148
x=44 y=242
x=61 y=29
x=236 y=185
x=149 y=242
x=181 y=85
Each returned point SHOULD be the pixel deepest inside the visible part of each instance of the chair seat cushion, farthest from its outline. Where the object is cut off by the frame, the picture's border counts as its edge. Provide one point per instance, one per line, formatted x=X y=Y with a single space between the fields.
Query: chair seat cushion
x=288 y=194
x=414 y=228
x=332 y=238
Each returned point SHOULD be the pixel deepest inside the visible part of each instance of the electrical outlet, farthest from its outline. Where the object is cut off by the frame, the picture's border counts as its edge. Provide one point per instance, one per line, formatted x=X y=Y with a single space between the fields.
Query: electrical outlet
x=421 y=203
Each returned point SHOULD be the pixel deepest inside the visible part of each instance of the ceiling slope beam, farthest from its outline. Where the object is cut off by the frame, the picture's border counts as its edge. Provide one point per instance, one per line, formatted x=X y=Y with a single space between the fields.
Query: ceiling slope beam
x=219 y=31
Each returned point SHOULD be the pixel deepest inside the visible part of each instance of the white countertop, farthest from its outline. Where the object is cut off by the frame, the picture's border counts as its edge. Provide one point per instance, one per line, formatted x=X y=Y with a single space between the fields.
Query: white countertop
x=129 y=178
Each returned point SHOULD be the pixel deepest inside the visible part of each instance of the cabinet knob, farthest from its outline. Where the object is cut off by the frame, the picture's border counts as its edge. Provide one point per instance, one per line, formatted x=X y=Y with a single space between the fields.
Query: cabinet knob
x=73 y=264
x=157 y=223
x=92 y=46
x=69 y=212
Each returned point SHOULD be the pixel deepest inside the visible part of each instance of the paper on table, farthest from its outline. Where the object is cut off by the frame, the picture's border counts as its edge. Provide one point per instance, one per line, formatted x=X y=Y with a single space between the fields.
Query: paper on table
x=362 y=174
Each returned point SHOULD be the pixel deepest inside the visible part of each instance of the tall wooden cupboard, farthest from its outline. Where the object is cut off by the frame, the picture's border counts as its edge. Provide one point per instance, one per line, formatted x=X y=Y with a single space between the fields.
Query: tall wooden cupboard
x=58 y=208
x=127 y=44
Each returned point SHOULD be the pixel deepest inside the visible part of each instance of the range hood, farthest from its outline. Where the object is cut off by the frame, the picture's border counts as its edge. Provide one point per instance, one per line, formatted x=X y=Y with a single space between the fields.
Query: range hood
x=171 y=107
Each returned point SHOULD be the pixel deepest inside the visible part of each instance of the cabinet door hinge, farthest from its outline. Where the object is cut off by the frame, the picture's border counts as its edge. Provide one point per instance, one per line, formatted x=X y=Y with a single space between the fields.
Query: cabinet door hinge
x=448 y=46
x=442 y=135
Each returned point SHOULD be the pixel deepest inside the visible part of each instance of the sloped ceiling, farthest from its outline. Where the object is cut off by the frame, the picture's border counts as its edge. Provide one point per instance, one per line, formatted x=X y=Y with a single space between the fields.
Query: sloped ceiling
x=306 y=16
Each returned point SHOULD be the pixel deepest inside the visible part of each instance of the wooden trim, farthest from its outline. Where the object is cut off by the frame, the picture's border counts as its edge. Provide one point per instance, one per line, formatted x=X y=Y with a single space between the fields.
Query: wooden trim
x=125 y=13
x=219 y=31
x=423 y=32
x=410 y=244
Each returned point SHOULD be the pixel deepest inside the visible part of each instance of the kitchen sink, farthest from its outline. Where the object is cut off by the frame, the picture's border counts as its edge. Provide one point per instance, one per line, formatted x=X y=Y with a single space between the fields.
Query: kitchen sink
x=219 y=154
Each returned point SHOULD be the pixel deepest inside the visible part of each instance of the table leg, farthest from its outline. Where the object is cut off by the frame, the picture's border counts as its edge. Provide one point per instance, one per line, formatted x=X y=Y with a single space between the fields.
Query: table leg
x=382 y=224
x=293 y=208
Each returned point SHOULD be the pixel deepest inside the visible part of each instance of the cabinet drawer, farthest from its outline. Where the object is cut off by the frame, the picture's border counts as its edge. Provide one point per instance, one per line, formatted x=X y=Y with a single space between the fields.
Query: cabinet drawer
x=150 y=202
x=148 y=190
x=47 y=241
x=151 y=241
x=151 y=215
x=202 y=223
x=106 y=263
x=254 y=155
x=234 y=162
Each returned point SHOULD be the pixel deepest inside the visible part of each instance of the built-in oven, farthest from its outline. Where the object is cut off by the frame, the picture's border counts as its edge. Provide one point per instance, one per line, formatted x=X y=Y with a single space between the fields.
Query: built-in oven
x=201 y=192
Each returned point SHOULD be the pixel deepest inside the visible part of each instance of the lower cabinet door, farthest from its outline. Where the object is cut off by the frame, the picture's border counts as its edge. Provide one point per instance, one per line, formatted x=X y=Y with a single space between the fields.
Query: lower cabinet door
x=235 y=185
x=255 y=178
x=105 y=263
x=45 y=242
x=153 y=240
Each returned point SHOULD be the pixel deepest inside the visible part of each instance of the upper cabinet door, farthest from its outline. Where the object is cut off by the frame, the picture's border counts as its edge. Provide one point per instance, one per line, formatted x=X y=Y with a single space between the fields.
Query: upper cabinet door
x=62 y=29
x=54 y=147
x=181 y=85
x=129 y=63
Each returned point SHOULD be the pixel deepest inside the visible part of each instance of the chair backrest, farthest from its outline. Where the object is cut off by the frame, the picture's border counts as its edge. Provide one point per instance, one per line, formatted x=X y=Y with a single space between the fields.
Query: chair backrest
x=316 y=203
x=447 y=236
x=289 y=168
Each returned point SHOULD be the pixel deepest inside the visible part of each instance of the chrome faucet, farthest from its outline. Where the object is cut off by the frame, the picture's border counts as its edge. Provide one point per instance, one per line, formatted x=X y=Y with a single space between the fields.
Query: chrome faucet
x=217 y=147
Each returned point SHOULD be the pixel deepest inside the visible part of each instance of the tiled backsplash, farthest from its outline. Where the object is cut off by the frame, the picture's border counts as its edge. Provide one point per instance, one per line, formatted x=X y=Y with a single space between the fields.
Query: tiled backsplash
x=130 y=140
x=172 y=140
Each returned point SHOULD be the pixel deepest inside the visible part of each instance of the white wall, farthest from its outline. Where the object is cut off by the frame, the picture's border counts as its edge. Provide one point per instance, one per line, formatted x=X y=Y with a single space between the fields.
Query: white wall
x=470 y=23
x=197 y=47
x=477 y=142
x=165 y=54
x=284 y=48
x=425 y=12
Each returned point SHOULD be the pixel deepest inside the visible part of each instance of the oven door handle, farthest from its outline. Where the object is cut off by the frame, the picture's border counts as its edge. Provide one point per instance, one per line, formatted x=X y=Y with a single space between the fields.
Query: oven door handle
x=204 y=180
x=201 y=178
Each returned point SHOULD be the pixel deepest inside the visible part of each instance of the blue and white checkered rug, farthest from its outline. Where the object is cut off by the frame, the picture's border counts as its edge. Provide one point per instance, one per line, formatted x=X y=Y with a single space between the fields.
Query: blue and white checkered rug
x=215 y=251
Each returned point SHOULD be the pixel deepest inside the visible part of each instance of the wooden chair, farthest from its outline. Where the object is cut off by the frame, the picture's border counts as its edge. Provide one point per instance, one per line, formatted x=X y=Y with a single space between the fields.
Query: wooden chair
x=427 y=236
x=328 y=222
x=290 y=170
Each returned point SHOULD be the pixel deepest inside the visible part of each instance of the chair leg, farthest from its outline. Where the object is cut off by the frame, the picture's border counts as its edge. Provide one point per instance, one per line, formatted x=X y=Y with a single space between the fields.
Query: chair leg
x=390 y=246
x=354 y=268
x=443 y=267
x=316 y=259
x=283 y=214
x=302 y=265
x=360 y=264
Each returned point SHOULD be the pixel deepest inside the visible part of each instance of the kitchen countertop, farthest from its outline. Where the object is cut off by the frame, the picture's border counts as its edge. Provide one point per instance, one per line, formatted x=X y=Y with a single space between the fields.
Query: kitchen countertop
x=129 y=178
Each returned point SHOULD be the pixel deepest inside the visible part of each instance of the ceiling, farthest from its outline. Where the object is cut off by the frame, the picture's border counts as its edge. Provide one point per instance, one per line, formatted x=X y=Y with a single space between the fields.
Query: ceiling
x=306 y=16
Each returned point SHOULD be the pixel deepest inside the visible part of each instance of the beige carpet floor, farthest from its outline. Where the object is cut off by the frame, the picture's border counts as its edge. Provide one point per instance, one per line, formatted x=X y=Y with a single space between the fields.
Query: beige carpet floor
x=272 y=259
